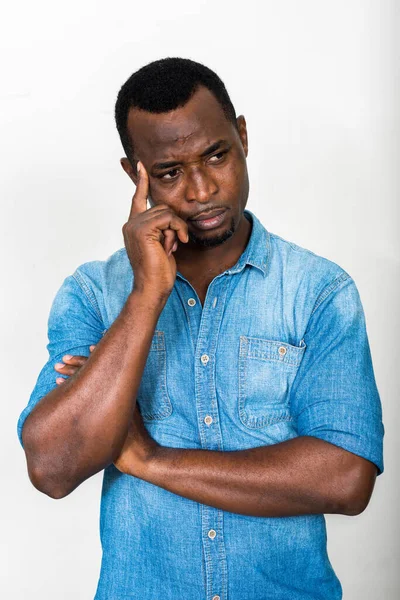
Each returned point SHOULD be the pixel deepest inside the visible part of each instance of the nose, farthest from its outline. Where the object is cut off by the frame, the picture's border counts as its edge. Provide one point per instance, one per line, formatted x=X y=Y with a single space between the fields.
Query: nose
x=200 y=186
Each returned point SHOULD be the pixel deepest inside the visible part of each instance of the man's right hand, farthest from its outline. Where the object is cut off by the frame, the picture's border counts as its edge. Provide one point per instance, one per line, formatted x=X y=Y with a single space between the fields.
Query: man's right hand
x=151 y=236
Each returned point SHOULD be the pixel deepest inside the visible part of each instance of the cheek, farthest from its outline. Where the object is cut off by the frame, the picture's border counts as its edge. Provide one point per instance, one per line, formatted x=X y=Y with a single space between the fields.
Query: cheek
x=234 y=176
x=159 y=194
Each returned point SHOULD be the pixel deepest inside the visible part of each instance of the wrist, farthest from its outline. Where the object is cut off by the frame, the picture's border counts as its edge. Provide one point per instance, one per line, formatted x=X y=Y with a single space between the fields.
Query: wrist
x=145 y=306
x=155 y=466
x=148 y=299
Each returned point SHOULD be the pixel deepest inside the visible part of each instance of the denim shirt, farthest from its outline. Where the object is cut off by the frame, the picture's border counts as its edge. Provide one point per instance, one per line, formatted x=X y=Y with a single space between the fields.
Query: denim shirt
x=278 y=350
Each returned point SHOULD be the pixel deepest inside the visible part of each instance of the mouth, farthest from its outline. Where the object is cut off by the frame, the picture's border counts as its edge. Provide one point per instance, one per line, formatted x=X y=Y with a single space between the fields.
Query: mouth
x=209 y=220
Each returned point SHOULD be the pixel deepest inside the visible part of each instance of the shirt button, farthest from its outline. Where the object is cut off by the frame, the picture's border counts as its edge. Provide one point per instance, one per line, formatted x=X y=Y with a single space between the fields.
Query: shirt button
x=212 y=533
x=191 y=301
x=204 y=359
x=208 y=420
x=282 y=350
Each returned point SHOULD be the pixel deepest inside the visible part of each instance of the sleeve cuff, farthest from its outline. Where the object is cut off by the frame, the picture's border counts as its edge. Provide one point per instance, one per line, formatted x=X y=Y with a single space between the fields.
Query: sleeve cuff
x=335 y=422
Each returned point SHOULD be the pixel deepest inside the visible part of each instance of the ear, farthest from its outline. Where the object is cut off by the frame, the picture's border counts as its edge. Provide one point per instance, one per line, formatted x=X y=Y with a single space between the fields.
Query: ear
x=129 y=170
x=241 y=123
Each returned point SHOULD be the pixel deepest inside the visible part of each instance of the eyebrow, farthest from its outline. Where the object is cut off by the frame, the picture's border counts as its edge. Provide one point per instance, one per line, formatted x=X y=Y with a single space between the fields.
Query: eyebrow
x=166 y=165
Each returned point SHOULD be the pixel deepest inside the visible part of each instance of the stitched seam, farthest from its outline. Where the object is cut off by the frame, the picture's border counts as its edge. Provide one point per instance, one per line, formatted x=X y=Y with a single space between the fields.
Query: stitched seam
x=295 y=247
x=88 y=293
x=268 y=256
x=329 y=289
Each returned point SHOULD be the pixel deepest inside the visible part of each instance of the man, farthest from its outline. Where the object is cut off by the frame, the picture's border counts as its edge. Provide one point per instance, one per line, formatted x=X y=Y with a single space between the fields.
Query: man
x=230 y=395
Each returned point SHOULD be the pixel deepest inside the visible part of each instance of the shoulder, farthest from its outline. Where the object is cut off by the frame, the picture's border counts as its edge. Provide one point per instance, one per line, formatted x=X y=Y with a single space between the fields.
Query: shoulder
x=103 y=285
x=304 y=270
x=103 y=273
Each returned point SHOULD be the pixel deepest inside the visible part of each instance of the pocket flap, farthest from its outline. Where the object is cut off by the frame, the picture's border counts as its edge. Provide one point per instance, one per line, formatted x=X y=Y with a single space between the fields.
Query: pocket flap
x=272 y=350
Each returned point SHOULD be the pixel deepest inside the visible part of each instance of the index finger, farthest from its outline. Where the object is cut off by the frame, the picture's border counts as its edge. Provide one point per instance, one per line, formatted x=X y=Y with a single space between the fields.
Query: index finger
x=139 y=200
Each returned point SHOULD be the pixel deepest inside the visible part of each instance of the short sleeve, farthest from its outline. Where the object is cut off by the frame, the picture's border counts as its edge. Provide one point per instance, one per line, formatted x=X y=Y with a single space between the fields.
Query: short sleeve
x=334 y=395
x=74 y=325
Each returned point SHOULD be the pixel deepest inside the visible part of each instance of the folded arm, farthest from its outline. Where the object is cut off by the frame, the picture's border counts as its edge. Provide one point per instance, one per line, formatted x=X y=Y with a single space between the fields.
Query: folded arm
x=304 y=475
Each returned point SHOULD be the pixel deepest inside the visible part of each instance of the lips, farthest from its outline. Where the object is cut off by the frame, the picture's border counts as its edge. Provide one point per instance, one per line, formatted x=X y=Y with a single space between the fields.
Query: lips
x=211 y=220
x=209 y=215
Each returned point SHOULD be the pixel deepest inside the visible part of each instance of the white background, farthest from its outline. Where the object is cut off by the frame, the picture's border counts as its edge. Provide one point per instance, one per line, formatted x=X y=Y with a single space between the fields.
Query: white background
x=318 y=84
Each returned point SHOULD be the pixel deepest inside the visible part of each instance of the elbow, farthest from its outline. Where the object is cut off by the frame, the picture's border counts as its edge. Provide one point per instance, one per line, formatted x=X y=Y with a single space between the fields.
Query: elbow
x=41 y=475
x=359 y=488
x=47 y=484
x=355 y=504
x=354 y=508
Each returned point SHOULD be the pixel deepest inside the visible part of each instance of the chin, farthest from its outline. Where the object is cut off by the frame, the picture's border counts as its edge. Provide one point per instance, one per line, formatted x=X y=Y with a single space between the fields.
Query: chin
x=214 y=240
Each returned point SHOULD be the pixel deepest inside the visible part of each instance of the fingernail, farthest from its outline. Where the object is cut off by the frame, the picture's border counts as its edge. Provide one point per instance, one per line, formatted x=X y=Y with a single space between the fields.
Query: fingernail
x=138 y=167
x=59 y=365
x=91 y=347
x=67 y=357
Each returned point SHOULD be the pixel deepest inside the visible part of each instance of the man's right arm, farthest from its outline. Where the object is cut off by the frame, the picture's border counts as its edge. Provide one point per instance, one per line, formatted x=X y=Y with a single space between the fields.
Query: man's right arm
x=79 y=428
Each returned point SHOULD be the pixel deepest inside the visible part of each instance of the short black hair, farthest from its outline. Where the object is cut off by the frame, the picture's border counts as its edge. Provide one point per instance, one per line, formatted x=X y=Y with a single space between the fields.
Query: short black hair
x=164 y=85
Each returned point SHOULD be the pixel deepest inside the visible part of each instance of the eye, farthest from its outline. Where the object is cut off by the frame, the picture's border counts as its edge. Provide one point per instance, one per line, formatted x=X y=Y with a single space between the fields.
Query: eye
x=171 y=175
x=219 y=156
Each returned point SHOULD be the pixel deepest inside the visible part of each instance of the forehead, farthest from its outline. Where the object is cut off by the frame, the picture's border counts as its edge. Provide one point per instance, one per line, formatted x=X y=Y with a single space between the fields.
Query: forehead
x=186 y=130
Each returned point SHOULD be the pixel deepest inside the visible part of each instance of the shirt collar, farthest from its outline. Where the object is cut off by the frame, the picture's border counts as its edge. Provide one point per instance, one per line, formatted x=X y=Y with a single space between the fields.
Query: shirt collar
x=257 y=251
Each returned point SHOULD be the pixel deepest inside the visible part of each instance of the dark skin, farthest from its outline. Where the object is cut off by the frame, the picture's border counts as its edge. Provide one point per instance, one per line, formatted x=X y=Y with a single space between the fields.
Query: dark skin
x=195 y=184
x=304 y=475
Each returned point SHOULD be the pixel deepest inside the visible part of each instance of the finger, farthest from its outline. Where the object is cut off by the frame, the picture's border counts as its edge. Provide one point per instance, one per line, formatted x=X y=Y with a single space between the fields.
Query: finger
x=164 y=219
x=139 y=200
x=66 y=369
x=169 y=240
x=180 y=228
x=75 y=360
x=174 y=248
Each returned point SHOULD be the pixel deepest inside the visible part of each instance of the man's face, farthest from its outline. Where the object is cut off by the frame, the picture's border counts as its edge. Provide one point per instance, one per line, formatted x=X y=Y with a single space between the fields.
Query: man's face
x=196 y=162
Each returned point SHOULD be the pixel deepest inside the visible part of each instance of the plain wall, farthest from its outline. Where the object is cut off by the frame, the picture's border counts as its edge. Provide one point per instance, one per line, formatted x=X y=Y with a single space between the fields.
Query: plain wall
x=318 y=83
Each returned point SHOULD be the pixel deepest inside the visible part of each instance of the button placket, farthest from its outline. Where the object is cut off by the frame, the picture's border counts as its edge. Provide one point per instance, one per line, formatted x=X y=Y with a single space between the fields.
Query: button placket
x=209 y=428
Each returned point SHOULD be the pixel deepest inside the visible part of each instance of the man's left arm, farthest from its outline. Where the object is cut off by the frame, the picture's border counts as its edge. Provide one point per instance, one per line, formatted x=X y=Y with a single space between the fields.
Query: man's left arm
x=331 y=466
x=304 y=475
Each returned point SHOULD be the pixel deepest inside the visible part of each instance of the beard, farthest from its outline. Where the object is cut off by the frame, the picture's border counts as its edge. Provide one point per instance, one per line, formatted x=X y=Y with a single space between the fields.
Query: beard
x=211 y=242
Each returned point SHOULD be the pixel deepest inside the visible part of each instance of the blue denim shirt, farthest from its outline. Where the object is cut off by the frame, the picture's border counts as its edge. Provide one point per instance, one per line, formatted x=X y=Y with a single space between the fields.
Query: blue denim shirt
x=278 y=350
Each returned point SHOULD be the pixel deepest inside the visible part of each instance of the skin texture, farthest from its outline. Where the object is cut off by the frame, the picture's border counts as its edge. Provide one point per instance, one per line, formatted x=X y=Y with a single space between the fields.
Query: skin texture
x=299 y=476
x=304 y=475
x=196 y=184
x=80 y=428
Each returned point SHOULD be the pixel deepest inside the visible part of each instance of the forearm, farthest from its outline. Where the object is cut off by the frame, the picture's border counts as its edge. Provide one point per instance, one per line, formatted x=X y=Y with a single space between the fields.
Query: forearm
x=79 y=428
x=304 y=475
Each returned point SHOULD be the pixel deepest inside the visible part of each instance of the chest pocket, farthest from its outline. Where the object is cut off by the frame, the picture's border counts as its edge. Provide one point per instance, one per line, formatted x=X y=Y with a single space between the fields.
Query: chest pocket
x=152 y=397
x=266 y=372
